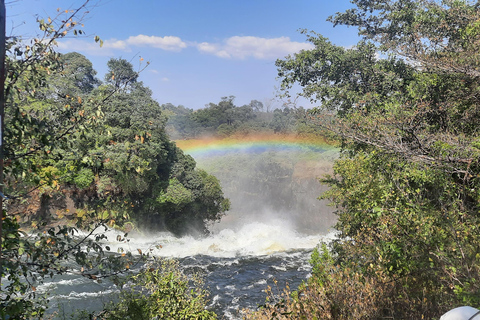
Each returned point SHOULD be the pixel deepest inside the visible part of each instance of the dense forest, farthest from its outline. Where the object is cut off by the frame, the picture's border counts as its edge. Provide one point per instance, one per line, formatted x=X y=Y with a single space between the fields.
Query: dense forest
x=115 y=155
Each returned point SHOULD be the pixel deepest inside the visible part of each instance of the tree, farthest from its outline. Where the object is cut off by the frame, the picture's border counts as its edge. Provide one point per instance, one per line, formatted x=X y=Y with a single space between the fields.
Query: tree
x=223 y=119
x=404 y=104
x=180 y=124
x=120 y=73
x=68 y=135
x=162 y=291
x=78 y=72
x=282 y=120
x=35 y=132
x=144 y=168
x=215 y=115
x=256 y=105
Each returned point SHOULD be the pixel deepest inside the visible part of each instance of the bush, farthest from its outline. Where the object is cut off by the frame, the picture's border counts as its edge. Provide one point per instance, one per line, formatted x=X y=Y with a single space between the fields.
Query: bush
x=84 y=178
x=162 y=291
x=331 y=293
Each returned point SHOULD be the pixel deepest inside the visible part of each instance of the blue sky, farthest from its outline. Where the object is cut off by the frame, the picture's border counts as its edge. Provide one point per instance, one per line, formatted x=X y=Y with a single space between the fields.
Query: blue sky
x=199 y=50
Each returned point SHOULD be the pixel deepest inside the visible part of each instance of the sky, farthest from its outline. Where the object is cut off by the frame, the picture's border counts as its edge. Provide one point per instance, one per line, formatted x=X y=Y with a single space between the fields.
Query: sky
x=198 y=50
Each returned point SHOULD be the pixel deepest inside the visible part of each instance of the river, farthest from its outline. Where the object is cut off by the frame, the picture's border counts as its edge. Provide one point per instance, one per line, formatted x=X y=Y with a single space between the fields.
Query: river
x=237 y=265
x=265 y=240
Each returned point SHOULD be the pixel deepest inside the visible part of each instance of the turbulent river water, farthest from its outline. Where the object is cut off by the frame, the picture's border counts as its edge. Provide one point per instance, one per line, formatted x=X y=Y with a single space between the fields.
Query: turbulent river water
x=266 y=240
x=238 y=265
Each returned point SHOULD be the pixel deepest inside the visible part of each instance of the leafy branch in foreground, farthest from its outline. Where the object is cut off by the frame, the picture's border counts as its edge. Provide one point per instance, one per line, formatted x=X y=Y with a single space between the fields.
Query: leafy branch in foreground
x=39 y=123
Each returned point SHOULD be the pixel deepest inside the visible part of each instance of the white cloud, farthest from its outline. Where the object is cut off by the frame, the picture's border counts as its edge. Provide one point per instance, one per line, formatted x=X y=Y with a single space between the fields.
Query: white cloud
x=241 y=47
x=213 y=49
x=207 y=47
x=169 y=43
x=115 y=44
x=236 y=47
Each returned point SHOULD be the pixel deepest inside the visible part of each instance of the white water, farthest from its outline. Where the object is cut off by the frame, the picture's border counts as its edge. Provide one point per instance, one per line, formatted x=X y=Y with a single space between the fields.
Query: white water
x=238 y=263
x=250 y=239
x=251 y=247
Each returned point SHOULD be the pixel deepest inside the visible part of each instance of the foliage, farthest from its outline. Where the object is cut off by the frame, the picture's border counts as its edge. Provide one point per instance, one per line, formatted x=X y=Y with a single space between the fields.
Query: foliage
x=161 y=291
x=76 y=76
x=332 y=292
x=226 y=120
x=35 y=129
x=193 y=198
x=150 y=179
x=404 y=103
x=102 y=146
x=122 y=159
x=180 y=123
x=120 y=73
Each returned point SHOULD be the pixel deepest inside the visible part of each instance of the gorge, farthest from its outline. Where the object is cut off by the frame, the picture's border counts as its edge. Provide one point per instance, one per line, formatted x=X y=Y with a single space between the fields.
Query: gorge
x=265 y=240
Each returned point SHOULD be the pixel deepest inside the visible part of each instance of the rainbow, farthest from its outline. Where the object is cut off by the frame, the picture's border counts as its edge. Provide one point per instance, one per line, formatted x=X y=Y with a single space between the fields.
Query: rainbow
x=252 y=144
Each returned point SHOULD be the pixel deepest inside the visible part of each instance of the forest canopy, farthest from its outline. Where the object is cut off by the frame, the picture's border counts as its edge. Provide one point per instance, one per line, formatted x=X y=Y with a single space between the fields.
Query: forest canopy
x=120 y=159
x=225 y=119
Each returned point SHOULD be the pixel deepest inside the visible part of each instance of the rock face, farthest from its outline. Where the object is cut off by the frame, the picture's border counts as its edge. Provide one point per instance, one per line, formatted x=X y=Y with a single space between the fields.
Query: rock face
x=47 y=208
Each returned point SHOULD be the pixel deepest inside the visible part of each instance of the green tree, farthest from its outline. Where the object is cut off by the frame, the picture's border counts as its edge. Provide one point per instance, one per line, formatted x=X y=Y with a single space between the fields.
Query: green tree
x=120 y=73
x=192 y=198
x=162 y=184
x=127 y=166
x=77 y=74
x=180 y=124
x=223 y=119
x=38 y=124
x=283 y=120
x=404 y=104
x=102 y=145
x=214 y=115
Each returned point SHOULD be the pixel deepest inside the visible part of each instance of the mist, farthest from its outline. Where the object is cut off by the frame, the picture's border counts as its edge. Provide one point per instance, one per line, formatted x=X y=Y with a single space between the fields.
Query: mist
x=274 y=187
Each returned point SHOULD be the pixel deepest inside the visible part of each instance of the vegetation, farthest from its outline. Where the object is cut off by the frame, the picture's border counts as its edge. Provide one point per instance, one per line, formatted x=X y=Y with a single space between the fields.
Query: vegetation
x=122 y=162
x=404 y=103
x=82 y=155
x=161 y=291
x=225 y=119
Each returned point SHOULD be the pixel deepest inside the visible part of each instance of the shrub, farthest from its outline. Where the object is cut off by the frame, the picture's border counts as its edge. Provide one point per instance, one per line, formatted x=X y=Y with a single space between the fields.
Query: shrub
x=84 y=178
x=162 y=291
x=331 y=293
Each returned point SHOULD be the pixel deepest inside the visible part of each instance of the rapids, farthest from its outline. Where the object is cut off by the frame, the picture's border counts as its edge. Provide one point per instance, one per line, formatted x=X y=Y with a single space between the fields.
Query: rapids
x=238 y=265
x=275 y=222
